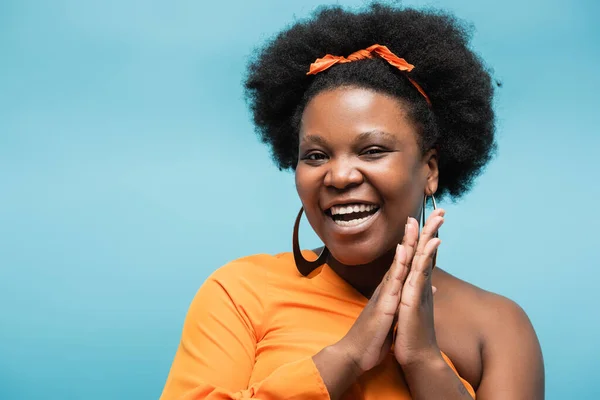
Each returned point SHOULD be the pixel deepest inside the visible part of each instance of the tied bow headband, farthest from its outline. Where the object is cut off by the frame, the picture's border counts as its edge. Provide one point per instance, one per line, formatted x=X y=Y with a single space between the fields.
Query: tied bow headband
x=321 y=64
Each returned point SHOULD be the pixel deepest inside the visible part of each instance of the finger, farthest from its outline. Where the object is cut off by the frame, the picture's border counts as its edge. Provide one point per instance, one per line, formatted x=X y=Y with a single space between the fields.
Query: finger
x=409 y=242
x=411 y=237
x=418 y=282
x=427 y=234
x=433 y=289
x=394 y=328
x=394 y=277
x=399 y=271
x=440 y=212
x=422 y=268
x=434 y=222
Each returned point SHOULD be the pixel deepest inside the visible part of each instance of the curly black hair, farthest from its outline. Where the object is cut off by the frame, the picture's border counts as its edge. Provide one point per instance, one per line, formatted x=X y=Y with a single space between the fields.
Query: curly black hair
x=460 y=121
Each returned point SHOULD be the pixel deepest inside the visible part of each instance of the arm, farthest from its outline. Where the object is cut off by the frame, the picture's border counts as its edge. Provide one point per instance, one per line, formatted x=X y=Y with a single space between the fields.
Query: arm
x=513 y=367
x=436 y=379
x=429 y=374
x=216 y=354
x=337 y=368
x=369 y=340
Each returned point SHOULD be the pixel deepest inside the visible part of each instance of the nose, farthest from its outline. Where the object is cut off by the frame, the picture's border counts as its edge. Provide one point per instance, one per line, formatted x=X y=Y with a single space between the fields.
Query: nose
x=342 y=174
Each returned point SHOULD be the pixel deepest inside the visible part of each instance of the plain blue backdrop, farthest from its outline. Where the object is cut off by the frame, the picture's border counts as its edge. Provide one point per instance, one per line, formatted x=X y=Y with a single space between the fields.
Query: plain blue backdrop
x=129 y=171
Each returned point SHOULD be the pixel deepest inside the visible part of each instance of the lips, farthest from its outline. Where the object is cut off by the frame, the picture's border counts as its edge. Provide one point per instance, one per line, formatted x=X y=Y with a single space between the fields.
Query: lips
x=348 y=209
x=352 y=215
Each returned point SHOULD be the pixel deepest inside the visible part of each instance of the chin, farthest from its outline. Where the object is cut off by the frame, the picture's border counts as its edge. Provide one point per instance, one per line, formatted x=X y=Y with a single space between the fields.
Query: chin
x=355 y=255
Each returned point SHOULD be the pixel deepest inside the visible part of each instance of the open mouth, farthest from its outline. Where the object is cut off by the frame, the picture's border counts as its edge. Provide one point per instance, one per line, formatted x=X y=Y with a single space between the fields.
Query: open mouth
x=351 y=214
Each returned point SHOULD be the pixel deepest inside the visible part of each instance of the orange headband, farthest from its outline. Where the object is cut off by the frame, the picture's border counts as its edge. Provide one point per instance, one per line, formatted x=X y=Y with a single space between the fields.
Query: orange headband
x=321 y=64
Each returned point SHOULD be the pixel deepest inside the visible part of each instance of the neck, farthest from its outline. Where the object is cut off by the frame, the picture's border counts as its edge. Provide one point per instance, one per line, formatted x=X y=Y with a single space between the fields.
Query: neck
x=364 y=278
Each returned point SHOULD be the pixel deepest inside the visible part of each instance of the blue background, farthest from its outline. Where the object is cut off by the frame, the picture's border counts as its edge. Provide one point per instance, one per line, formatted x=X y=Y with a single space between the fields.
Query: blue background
x=129 y=171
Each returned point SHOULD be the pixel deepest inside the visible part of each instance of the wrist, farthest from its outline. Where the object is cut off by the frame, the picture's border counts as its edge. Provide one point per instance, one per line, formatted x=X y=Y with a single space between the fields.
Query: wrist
x=337 y=369
x=348 y=356
x=429 y=361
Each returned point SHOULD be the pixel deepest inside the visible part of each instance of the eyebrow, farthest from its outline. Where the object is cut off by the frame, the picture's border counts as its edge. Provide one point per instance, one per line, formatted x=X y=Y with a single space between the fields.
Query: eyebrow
x=316 y=139
x=375 y=133
x=320 y=140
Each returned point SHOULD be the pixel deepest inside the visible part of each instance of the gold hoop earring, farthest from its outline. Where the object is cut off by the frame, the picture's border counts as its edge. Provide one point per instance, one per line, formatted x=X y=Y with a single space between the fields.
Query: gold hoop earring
x=423 y=219
x=304 y=266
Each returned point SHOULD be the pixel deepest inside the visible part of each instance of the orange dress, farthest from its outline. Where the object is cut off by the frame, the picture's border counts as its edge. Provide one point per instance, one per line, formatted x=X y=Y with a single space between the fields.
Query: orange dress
x=253 y=327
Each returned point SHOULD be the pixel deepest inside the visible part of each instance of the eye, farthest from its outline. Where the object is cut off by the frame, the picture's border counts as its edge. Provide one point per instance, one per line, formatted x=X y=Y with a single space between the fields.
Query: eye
x=314 y=156
x=373 y=152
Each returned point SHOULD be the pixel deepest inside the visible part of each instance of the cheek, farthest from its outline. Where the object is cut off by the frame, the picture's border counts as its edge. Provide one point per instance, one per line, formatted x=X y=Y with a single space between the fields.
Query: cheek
x=399 y=186
x=307 y=186
x=391 y=178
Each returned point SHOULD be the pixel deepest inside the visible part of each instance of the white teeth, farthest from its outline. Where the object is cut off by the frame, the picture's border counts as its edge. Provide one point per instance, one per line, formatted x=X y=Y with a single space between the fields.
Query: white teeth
x=353 y=222
x=347 y=209
x=352 y=208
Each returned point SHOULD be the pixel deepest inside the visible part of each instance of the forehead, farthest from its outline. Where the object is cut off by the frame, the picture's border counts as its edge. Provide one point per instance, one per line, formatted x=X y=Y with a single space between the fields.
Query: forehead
x=349 y=112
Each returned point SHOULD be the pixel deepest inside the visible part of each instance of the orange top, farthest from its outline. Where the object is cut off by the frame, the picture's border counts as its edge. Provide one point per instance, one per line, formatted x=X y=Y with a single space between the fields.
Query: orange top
x=253 y=327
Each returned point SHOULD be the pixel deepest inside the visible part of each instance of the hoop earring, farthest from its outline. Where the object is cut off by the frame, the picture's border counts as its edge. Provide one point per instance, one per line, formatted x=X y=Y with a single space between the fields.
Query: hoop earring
x=304 y=266
x=423 y=219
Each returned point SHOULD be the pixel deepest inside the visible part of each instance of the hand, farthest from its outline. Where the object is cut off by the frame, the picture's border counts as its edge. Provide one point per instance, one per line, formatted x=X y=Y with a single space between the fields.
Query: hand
x=415 y=336
x=370 y=338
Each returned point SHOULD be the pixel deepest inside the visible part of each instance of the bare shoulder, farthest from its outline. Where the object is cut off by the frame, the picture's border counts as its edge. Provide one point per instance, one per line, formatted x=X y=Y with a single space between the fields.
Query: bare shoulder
x=485 y=310
x=510 y=355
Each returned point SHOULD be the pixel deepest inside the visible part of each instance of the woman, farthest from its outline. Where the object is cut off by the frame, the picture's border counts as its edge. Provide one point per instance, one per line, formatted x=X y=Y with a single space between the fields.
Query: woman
x=377 y=112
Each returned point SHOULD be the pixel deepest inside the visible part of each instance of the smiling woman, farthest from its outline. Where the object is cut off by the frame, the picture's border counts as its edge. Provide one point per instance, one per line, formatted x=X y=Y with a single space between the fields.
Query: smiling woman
x=376 y=161
x=371 y=138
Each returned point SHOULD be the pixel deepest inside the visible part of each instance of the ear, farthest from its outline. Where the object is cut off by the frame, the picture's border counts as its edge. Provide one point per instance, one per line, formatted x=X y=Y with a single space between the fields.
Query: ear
x=433 y=172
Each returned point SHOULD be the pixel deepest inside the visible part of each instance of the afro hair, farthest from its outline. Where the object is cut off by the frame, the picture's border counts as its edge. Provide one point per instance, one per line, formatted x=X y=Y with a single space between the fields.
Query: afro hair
x=460 y=121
